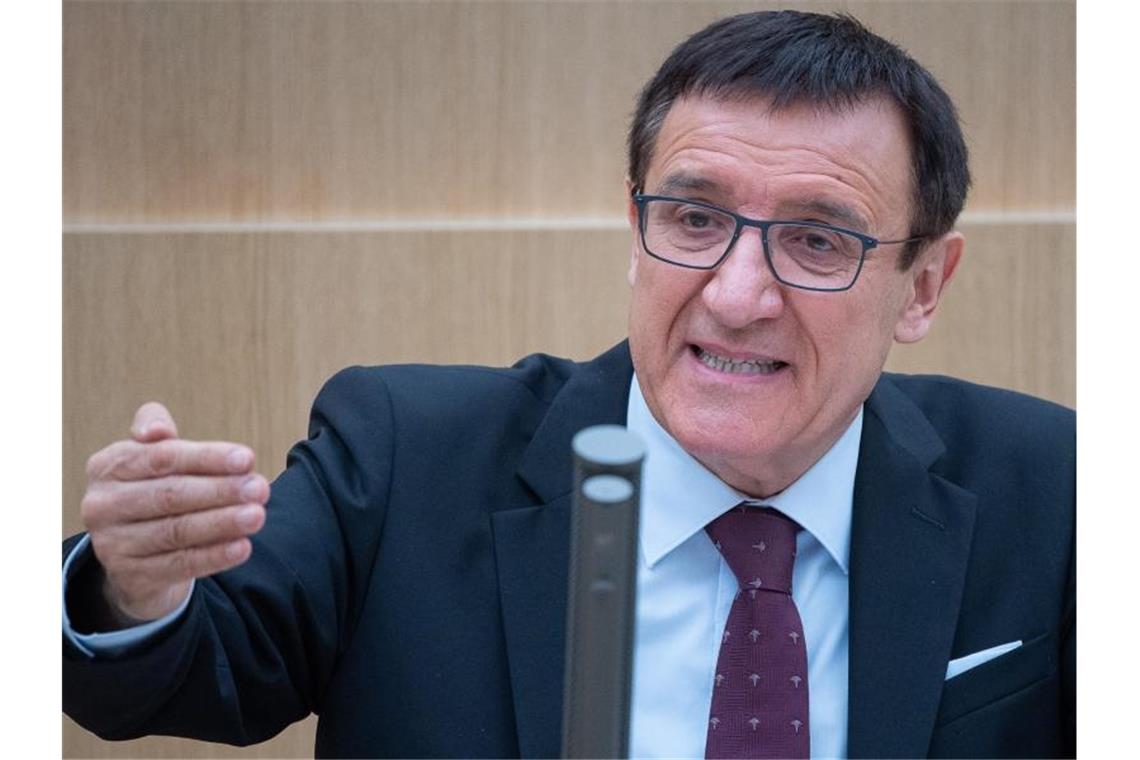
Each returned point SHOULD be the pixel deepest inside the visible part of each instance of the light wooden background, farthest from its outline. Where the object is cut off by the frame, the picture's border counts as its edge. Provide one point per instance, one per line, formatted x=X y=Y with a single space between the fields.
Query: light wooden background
x=259 y=193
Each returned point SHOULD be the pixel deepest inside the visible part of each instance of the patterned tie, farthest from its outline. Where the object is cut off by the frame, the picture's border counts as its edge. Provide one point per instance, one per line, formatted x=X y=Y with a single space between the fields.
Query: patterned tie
x=760 y=692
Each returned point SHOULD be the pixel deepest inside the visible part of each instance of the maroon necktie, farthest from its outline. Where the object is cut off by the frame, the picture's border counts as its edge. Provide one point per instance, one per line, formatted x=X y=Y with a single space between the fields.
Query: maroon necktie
x=760 y=690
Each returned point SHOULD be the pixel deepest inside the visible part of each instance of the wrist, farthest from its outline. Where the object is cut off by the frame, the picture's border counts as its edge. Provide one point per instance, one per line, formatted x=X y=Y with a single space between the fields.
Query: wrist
x=124 y=613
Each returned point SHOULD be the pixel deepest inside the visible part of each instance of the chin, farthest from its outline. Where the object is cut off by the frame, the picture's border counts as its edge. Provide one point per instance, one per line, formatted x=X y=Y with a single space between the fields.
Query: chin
x=717 y=436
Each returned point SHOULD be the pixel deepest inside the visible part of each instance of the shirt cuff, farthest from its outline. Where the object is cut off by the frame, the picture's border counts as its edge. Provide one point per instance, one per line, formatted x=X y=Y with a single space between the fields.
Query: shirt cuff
x=115 y=642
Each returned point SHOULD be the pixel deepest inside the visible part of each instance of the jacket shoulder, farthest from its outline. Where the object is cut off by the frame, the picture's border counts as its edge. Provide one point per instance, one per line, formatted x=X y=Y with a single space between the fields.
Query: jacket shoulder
x=983 y=422
x=452 y=391
x=443 y=411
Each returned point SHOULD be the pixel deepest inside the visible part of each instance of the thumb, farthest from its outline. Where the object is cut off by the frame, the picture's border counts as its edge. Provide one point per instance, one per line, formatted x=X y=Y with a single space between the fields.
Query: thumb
x=153 y=423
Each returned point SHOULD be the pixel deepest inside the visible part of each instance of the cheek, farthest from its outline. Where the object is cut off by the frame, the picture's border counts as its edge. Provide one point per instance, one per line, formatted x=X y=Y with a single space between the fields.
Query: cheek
x=634 y=255
x=644 y=330
x=659 y=298
x=660 y=315
x=648 y=329
x=848 y=341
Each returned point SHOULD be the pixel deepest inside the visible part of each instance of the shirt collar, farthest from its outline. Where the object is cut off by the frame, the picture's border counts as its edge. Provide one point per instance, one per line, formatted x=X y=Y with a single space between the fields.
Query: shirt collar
x=680 y=496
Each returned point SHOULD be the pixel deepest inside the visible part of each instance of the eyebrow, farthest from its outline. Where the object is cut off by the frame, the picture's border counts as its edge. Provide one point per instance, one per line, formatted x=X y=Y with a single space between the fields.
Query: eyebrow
x=844 y=215
x=841 y=214
x=684 y=182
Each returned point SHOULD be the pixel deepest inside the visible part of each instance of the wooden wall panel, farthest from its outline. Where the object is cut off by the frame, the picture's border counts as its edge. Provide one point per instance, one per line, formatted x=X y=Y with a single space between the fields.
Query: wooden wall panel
x=1009 y=318
x=294 y=742
x=237 y=332
x=303 y=110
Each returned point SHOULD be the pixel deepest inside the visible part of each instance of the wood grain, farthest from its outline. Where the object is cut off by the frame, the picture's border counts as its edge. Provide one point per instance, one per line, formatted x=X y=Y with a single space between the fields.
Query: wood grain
x=236 y=333
x=1009 y=317
x=297 y=741
x=330 y=110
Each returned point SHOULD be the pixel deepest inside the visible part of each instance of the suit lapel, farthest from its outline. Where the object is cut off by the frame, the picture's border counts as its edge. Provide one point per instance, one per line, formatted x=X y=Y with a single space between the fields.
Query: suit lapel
x=910 y=542
x=532 y=548
x=531 y=553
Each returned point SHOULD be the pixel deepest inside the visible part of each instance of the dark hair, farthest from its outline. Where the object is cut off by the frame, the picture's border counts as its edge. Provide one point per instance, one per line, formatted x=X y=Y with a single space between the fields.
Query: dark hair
x=791 y=57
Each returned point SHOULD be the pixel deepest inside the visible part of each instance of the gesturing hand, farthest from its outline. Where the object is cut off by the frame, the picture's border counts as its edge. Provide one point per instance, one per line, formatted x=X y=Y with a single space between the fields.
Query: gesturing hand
x=162 y=511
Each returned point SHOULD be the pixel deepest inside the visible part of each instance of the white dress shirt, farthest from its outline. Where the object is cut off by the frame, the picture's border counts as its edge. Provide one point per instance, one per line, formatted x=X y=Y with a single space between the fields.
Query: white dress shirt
x=685 y=590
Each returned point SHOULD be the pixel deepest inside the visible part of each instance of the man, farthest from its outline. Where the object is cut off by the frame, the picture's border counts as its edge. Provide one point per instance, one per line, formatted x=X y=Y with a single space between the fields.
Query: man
x=794 y=181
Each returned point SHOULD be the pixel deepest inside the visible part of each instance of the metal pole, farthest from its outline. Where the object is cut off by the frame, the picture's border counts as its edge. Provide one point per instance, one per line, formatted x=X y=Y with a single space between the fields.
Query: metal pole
x=602 y=593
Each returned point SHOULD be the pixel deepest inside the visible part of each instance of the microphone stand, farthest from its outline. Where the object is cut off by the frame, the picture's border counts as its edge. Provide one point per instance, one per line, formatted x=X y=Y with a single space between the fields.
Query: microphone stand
x=603 y=592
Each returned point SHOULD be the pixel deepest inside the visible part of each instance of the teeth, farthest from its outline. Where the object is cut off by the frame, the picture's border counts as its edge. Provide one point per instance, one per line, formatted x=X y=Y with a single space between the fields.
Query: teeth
x=735 y=366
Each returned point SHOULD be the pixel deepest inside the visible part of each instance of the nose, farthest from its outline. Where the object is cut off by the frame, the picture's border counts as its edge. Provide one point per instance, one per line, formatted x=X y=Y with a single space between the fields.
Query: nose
x=743 y=289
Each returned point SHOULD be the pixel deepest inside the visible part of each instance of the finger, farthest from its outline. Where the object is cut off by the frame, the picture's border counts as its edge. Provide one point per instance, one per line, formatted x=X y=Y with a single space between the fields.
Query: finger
x=153 y=422
x=130 y=460
x=182 y=565
x=188 y=531
x=114 y=501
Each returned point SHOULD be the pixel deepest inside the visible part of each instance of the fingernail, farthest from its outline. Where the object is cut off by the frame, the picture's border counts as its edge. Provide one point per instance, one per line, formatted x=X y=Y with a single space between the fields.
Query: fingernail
x=235 y=550
x=238 y=459
x=248 y=517
x=251 y=488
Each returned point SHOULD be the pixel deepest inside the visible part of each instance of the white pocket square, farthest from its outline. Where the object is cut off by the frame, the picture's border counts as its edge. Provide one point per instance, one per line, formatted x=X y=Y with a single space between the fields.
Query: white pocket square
x=962 y=664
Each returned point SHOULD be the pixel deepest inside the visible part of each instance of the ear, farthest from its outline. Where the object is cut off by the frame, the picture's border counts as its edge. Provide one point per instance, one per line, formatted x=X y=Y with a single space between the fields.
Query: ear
x=631 y=217
x=930 y=274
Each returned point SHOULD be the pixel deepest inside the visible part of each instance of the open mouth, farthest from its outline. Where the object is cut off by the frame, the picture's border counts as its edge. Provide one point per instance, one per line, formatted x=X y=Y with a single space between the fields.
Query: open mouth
x=738 y=366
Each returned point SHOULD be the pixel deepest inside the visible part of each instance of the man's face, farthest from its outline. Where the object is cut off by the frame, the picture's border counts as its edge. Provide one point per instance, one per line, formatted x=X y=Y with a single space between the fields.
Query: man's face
x=816 y=355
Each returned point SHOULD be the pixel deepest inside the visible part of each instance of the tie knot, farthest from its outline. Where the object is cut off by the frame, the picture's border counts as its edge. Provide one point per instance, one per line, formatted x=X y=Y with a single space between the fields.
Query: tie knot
x=759 y=546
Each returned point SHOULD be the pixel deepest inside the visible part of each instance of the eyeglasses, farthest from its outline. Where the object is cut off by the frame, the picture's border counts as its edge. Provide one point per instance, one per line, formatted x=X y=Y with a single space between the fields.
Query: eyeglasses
x=807 y=255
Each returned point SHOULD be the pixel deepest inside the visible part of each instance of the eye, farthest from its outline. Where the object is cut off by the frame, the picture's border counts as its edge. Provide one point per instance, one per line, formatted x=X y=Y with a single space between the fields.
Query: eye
x=695 y=218
x=814 y=245
x=817 y=241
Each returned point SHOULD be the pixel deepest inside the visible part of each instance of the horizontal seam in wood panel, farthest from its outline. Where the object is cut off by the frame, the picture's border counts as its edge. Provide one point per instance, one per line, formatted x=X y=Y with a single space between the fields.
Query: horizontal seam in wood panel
x=1059 y=216
x=488 y=224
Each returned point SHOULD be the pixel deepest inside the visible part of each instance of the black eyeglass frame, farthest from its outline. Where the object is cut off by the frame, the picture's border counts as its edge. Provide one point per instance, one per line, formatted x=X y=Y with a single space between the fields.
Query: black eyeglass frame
x=763 y=225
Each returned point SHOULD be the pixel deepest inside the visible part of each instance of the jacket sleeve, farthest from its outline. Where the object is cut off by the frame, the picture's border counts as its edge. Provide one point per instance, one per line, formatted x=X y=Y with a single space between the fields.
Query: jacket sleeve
x=112 y=642
x=258 y=643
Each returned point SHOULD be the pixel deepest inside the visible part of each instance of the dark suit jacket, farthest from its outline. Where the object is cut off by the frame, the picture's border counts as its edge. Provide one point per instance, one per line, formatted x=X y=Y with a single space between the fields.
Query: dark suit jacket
x=409 y=585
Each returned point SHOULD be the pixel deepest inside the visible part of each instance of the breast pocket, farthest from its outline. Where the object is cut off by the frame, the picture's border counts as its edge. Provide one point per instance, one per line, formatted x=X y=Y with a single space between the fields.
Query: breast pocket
x=1007 y=674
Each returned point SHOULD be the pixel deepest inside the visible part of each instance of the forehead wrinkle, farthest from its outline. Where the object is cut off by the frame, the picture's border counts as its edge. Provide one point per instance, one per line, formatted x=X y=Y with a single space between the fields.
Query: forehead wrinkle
x=833 y=212
x=695 y=163
x=682 y=181
x=862 y=179
x=867 y=179
x=861 y=190
x=718 y=138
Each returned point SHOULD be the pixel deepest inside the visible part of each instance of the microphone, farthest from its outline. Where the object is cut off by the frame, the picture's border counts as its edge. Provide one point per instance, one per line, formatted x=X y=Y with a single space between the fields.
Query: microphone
x=602 y=594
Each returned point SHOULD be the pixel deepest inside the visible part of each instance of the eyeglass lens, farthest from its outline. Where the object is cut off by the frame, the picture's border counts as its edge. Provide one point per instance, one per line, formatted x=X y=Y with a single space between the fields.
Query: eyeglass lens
x=801 y=255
